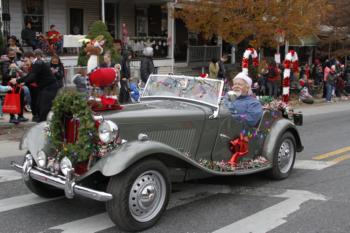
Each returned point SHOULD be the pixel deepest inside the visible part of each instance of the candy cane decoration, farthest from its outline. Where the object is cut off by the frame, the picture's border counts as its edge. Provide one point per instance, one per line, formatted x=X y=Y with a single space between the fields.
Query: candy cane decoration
x=249 y=52
x=291 y=59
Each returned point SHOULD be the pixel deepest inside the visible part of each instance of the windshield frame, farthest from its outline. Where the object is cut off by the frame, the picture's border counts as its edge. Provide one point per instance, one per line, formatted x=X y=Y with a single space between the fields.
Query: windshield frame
x=216 y=106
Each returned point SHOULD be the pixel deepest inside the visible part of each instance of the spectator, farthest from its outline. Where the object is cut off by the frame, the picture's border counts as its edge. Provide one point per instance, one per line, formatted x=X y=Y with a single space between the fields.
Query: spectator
x=81 y=81
x=222 y=70
x=273 y=78
x=213 y=68
x=327 y=68
x=55 y=39
x=11 y=70
x=147 y=66
x=124 y=95
x=3 y=89
x=317 y=72
x=12 y=43
x=107 y=61
x=42 y=75
x=29 y=36
x=57 y=69
x=330 y=83
x=263 y=71
x=44 y=45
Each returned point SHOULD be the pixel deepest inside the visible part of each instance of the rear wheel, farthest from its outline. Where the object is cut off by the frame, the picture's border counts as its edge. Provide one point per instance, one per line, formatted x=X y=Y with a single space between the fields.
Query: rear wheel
x=284 y=157
x=140 y=195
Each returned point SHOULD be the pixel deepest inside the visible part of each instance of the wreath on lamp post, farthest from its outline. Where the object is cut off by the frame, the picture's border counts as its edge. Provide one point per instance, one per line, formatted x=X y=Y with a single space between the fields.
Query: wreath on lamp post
x=73 y=104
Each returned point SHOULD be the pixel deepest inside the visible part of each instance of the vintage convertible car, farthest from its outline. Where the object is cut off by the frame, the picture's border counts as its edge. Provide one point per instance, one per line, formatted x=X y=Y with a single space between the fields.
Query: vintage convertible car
x=180 y=130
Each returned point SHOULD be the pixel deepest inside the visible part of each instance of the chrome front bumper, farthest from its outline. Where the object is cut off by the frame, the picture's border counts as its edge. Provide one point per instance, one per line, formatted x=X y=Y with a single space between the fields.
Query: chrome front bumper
x=66 y=183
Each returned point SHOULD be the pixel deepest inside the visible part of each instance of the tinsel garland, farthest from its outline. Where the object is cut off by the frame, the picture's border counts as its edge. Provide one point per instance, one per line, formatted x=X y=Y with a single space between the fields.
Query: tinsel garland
x=75 y=104
x=224 y=166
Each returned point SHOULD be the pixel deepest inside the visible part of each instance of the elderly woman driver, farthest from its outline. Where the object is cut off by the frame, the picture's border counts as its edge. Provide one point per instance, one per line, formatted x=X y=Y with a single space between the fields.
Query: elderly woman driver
x=242 y=105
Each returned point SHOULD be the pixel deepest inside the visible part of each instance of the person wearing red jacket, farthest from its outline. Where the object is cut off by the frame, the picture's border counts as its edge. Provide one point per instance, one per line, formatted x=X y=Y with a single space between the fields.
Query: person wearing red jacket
x=273 y=78
x=55 y=38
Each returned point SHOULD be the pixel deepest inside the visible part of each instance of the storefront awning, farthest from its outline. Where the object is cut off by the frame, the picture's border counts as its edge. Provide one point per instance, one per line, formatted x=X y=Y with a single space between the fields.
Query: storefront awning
x=305 y=41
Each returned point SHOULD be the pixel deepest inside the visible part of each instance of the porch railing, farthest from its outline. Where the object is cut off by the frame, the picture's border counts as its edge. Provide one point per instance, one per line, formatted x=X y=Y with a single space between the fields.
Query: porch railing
x=198 y=54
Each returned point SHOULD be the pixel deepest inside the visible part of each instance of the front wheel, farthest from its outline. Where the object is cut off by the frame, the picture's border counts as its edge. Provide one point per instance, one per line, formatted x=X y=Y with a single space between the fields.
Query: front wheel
x=43 y=190
x=140 y=195
x=284 y=157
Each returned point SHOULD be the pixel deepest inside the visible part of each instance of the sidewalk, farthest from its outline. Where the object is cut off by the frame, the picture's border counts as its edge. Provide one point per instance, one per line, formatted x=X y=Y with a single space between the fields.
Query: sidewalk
x=12 y=132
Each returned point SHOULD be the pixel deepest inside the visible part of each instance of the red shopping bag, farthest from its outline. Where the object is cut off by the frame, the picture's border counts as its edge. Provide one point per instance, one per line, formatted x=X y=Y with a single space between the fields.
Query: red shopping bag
x=12 y=102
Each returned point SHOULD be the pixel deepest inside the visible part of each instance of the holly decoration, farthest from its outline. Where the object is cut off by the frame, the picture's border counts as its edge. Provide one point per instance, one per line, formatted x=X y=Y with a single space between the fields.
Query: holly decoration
x=74 y=104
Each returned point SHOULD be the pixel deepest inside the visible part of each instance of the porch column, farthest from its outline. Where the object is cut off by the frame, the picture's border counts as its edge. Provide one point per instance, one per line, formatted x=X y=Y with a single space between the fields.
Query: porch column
x=2 y=26
x=103 y=10
x=171 y=33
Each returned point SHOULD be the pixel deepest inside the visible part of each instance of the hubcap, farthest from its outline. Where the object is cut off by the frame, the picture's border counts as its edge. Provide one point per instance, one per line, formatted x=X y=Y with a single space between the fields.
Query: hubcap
x=147 y=196
x=286 y=155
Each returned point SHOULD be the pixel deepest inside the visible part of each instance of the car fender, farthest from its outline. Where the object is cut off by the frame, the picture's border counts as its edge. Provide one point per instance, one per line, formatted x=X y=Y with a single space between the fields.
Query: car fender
x=131 y=152
x=277 y=130
x=36 y=139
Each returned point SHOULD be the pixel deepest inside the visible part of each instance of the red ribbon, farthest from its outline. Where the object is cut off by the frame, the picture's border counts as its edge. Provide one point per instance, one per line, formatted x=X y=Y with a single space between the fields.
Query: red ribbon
x=295 y=66
x=287 y=64
x=286 y=82
x=240 y=148
x=245 y=63
x=256 y=62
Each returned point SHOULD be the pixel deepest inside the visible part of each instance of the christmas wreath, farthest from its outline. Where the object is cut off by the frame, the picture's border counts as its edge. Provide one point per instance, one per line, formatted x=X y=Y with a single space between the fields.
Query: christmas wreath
x=73 y=104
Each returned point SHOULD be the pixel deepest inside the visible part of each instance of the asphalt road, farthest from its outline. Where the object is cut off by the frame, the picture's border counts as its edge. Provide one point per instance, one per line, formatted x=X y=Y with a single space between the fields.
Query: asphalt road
x=315 y=198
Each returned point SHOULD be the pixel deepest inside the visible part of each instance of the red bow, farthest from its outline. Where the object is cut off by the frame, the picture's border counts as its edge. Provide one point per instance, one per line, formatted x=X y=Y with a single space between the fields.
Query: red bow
x=240 y=147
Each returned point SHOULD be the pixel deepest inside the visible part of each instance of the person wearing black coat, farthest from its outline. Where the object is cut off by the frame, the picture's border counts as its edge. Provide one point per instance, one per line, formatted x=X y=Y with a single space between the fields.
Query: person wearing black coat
x=29 y=36
x=57 y=69
x=147 y=66
x=42 y=75
x=124 y=95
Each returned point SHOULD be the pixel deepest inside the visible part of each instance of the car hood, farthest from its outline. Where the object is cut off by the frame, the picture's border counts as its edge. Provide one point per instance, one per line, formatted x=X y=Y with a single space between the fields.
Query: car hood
x=156 y=111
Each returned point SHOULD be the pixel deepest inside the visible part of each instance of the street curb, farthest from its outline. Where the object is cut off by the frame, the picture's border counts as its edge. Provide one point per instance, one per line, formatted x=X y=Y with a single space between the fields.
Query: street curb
x=4 y=125
x=319 y=102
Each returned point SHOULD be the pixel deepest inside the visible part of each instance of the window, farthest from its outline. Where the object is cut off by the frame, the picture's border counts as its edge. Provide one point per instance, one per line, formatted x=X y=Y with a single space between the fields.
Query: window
x=76 y=21
x=141 y=22
x=33 y=11
x=112 y=19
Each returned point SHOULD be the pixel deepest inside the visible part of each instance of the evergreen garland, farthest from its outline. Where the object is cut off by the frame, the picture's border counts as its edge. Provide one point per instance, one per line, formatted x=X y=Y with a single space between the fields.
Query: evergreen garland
x=75 y=104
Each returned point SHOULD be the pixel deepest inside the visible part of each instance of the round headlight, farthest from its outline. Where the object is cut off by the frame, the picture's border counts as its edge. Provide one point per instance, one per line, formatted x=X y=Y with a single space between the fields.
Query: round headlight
x=107 y=131
x=65 y=165
x=41 y=158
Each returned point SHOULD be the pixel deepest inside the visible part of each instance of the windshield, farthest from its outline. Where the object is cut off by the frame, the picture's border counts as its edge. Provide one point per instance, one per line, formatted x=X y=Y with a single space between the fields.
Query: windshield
x=195 y=88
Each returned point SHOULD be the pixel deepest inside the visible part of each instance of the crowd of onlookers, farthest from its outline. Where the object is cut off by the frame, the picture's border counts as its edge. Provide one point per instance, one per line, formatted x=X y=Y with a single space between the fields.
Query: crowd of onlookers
x=38 y=80
x=25 y=71
x=327 y=79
